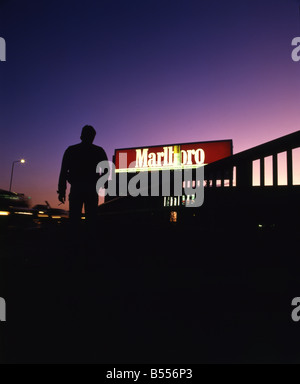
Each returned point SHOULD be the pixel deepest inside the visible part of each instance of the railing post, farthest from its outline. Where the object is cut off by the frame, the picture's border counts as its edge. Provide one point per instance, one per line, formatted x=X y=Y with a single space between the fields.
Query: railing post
x=214 y=181
x=262 y=172
x=290 y=167
x=231 y=180
x=275 y=170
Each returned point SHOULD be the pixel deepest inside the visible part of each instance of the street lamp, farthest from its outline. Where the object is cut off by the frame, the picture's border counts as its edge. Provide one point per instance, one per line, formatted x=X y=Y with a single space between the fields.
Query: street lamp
x=22 y=161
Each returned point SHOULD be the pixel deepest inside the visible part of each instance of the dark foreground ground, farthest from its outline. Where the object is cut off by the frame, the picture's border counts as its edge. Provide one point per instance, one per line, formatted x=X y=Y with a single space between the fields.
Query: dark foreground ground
x=139 y=292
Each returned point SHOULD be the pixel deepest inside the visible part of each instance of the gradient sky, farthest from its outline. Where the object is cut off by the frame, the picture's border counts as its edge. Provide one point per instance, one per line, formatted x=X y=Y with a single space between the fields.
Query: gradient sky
x=143 y=72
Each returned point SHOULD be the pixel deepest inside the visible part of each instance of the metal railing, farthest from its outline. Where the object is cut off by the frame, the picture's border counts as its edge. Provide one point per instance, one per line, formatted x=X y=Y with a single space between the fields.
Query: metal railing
x=237 y=170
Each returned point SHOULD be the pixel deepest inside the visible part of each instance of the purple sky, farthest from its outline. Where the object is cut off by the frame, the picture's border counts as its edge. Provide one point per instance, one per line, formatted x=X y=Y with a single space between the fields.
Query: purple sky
x=143 y=72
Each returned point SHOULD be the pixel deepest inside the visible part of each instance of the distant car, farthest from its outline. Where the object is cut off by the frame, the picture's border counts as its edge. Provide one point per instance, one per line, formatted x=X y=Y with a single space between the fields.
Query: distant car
x=14 y=210
x=11 y=199
x=46 y=214
x=41 y=211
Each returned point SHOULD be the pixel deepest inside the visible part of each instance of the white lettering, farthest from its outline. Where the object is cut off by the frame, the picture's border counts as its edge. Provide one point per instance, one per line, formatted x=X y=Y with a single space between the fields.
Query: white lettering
x=123 y=179
x=141 y=159
x=152 y=160
x=296 y=51
x=138 y=185
x=190 y=152
x=166 y=183
x=160 y=155
x=172 y=156
x=166 y=150
x=155 y=186
x=2 y=309
x=115 y=374
x=106 y=184
x=200 y=156
x=2 y=49
x=198 y=191
x=296 y=311
x=184 y=157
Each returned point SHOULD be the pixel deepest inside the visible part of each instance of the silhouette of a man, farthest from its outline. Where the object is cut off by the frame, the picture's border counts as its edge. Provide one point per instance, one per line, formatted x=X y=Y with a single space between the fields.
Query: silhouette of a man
x=79 y=169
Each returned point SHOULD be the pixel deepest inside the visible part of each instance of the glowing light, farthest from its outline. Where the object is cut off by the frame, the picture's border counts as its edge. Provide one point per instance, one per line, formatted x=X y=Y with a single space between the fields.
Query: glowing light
x=171 y=157
x=22 y=161
x=41 y=213
x=56 y=217
x=152 y=169
x=2 y=213
x=24 y=213
x=174 y=217
x=43 y=216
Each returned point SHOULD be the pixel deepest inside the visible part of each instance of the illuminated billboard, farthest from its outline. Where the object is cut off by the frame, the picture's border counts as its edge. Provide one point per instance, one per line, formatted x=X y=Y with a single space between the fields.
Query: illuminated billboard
x=171 y=157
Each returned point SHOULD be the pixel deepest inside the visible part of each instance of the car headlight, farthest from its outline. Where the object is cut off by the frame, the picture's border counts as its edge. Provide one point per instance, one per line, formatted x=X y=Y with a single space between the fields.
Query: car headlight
x=4 y=213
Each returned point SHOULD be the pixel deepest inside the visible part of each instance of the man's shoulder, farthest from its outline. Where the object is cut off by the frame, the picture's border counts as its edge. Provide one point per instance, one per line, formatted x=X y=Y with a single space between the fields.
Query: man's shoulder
x=73 y=148
x=79 y=148
x=98 y=149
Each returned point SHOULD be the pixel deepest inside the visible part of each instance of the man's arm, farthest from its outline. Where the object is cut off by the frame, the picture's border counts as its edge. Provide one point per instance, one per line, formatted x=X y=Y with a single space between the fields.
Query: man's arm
x=62 y=184
x=102 y=157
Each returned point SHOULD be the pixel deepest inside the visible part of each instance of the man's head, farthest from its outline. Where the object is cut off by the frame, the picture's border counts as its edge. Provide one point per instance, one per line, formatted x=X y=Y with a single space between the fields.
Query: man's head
x=88 y=134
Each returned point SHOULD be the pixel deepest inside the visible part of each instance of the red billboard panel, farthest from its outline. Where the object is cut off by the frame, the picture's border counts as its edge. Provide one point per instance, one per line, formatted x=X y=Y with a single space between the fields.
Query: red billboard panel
x=177 y=156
